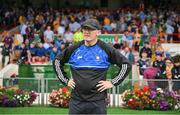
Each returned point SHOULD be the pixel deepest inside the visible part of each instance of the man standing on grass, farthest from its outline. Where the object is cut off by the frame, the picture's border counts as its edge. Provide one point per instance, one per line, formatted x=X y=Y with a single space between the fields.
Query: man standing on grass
x=89 y=61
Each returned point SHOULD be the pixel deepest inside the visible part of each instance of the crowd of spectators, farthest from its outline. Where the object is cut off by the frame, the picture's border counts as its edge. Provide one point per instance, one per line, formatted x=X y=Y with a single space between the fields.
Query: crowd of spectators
x=143 y=32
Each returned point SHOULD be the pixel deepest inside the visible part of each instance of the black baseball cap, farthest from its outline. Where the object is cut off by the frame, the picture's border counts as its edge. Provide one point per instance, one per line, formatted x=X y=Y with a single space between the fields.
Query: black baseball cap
x=92 y=24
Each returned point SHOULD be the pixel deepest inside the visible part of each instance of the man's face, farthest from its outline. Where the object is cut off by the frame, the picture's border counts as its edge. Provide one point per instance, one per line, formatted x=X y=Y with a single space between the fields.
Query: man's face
x=146 y=45
x=90 y=34
x=31 y=45
x=49 y=28
x=158 y=57
x=126 y=49
x=177 y=64
x=144 y=54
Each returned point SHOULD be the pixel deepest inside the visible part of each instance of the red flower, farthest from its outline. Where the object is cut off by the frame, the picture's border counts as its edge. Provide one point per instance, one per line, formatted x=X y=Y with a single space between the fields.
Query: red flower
x=64 y=89
x=131 y=102
x=138 y=103
x=145 y=88
x=138 y=92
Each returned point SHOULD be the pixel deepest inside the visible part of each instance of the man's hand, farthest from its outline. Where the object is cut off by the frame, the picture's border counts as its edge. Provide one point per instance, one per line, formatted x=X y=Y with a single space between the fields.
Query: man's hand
x=103 y=85
x=71 y=83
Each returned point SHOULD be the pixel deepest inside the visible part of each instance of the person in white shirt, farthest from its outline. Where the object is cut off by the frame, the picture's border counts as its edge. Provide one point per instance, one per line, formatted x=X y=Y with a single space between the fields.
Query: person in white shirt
x=145 y=33
x=23 y=31
x=61 y=30
x=169 y=32
x=48 y=34
x=125 y=52
x=74 y=26
x=68 y=36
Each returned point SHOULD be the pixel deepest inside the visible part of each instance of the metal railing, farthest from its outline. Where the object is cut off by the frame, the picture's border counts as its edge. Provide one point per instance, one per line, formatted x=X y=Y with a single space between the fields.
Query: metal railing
x=44 y=86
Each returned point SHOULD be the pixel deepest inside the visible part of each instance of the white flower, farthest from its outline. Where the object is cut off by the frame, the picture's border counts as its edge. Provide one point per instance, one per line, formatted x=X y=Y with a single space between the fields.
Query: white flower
x=176 y=107
x=159 y=90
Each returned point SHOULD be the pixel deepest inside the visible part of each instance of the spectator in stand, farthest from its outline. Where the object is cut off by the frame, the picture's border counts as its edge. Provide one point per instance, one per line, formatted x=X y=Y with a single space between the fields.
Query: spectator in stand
x=128 y=54
x=176 y=25
x=61 y=29
x=68 y=37
x=31 y=53
x=129 y=37
x=145 y=33
x=150 y=74
x=37 y=26
x=41 y=32
x=160 y=49
x=176 y=73
x=116 y=40
x=46 y=44
x=53 y=54
x=23 y=53
x=58 y=42
x=30 y=34
x=131 y=56
x=153 y=36
x=161 y=34
x=27 y=44
x=6 y=54
x=39 y=19
x=48 y=34
x=113 y=25
x=136 y=55
x=133 y=25
x=8 y=40
x=160 y=64
x=168 y=70
x=40 y=54
x=107 y=21
x=169 y=32
x=78 y=36
x=23 y=31
x=146 y=49
x=56 y=24
x=143 y=63
x=121 y=25
x=74 y=25
x=137 y=38
x=49 y=50
x=168 y=56
x=142 y=16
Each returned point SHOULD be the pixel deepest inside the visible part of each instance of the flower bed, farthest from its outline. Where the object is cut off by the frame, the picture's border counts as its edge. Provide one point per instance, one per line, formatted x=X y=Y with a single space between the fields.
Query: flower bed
x=151 y=100
x=60 y=98
x=14 y=97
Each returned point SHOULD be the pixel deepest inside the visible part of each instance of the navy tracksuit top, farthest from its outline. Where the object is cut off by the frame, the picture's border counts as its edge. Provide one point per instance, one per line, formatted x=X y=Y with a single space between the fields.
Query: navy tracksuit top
x=89 y=65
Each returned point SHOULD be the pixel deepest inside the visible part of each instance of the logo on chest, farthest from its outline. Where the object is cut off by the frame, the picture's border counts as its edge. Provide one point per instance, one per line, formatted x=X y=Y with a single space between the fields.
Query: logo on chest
x=97 y=57
x=79 y=57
